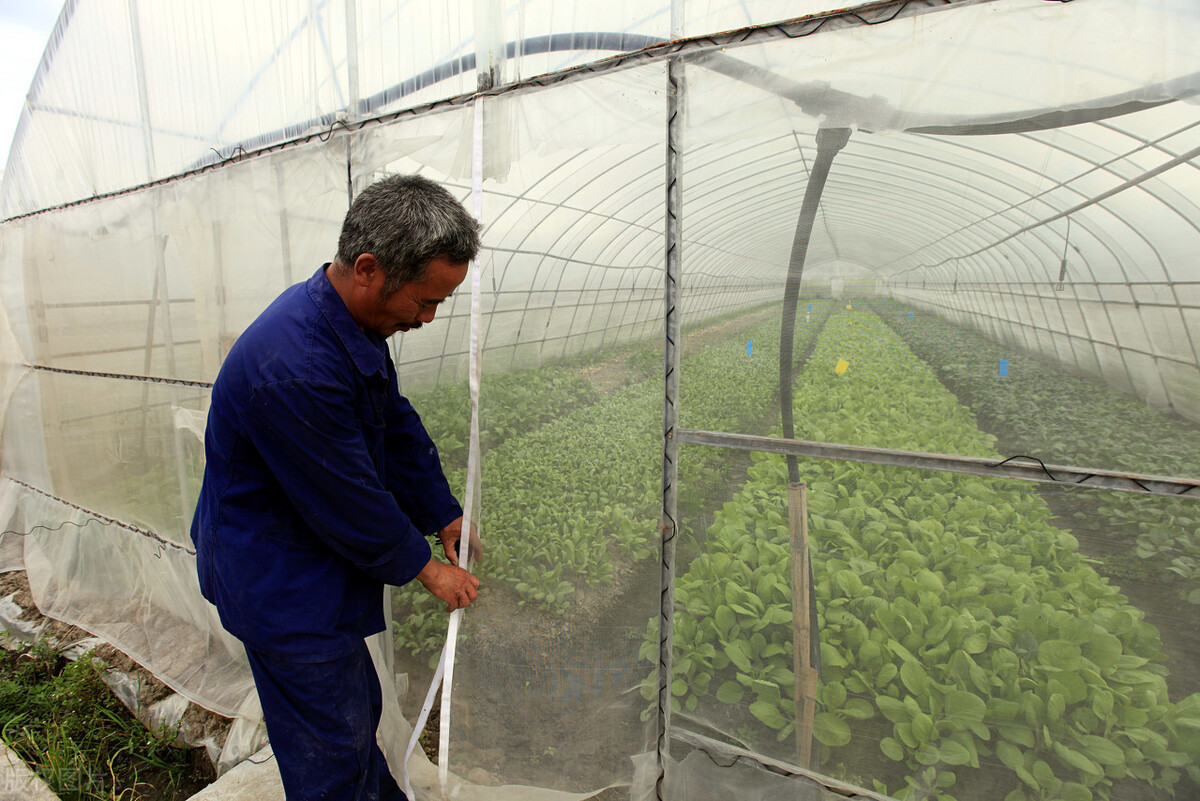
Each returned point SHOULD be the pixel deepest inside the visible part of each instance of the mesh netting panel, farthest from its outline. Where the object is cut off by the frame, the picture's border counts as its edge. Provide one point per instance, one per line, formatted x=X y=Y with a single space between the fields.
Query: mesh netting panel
x=972 y=636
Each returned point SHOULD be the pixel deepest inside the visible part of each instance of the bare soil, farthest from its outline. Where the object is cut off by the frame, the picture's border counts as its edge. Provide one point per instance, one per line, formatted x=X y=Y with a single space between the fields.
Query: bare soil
x=542 y=678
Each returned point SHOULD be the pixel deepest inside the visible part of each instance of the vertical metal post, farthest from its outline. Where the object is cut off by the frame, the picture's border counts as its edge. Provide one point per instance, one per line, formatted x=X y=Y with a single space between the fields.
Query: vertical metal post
x=352 y=110
x=148 y=144
x=135 y=30
x=160 y=277
x=224 y=337
x=829 y=142
x=285 y=236
x=670 y=469
x=352 y=106
x=52 y=473
x=352 y=59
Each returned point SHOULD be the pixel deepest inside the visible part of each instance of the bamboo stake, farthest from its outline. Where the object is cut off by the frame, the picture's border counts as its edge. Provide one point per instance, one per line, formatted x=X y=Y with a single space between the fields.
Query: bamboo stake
x=806 y=676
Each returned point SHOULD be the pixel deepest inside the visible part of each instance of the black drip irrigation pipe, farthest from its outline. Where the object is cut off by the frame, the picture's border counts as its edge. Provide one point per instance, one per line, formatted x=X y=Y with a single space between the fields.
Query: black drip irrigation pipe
x=829 y=142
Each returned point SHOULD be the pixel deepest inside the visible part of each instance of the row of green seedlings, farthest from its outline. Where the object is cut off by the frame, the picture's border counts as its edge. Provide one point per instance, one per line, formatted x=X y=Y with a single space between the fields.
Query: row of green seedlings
x=565 y=502
x=962 y=637
x=589 y=485
x=515 y=402
x=1066 y=419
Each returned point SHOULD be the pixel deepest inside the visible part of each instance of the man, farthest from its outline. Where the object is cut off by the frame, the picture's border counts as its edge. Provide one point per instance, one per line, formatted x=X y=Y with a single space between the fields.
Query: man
x=321 y=484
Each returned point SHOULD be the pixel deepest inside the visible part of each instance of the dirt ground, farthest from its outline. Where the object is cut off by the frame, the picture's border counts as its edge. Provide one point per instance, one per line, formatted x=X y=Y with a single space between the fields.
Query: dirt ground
x=538 y=679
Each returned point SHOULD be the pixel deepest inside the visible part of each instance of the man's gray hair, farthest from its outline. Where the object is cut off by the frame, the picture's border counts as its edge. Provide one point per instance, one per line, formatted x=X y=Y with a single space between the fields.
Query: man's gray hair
x=405 y=221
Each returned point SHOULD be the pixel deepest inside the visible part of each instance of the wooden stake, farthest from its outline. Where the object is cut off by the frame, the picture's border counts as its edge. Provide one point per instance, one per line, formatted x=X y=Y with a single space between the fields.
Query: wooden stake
x=806 y=676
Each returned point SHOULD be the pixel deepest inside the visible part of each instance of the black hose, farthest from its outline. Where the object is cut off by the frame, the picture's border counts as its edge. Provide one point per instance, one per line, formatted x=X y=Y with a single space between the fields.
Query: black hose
x=829 y=142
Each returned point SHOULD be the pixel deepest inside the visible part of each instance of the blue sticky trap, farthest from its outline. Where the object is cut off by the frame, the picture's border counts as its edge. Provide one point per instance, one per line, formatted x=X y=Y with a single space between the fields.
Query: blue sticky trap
x=885 y=300
x=749 y=347
x=810 y=307
x=910 y=315
x=1003 y=367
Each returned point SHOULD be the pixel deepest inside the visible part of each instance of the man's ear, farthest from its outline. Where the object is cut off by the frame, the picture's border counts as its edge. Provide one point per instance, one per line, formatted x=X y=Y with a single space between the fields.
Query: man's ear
x=366 y=269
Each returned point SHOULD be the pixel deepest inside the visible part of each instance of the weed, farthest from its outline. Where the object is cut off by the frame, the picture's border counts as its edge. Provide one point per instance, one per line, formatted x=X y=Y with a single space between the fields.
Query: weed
x=61 y=718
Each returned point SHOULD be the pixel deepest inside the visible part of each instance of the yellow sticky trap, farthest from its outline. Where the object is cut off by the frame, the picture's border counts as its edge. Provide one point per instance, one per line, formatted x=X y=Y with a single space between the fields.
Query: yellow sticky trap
x=842 y=367
x=849 y=305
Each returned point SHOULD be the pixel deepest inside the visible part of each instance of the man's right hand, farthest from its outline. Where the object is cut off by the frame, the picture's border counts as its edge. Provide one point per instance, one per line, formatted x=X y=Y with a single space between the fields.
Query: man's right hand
x=451 y=584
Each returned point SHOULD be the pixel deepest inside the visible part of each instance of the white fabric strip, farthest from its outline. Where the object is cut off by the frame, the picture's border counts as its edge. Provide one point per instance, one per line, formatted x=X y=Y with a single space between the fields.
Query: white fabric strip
x=419 y=726
x=443 y=677
x=472 y=490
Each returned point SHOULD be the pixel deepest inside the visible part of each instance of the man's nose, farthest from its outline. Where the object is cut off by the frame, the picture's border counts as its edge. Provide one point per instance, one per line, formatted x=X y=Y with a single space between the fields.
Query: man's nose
x=426 y=315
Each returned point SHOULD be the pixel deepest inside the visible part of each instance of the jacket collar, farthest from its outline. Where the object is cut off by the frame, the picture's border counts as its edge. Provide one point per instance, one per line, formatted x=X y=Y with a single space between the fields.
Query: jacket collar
x=366 y=348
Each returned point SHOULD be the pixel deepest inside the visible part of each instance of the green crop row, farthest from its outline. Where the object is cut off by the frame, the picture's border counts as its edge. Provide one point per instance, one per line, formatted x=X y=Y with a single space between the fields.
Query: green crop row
x=513 y=403
x=1066 y=419
x=962 y=637
x=566 y=502
x=586 y=488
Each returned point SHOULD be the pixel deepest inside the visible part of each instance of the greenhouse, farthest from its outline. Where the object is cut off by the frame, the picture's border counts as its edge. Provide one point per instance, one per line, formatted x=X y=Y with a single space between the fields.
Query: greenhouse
x=826 y=392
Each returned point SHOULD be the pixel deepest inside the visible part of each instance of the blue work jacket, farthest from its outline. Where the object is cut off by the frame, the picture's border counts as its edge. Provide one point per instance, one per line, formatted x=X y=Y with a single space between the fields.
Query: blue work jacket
x=320 y=483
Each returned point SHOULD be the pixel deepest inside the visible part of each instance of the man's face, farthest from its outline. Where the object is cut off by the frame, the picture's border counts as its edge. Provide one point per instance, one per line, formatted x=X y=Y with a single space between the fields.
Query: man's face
x=414 y=303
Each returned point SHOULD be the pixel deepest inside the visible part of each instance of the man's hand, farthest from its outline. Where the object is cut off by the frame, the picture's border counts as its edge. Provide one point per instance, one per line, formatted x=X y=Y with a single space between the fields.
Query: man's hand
x=451 y=536
x=451 y=584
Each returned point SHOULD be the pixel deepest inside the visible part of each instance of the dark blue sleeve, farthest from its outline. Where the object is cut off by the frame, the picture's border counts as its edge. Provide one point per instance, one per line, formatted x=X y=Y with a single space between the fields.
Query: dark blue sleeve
x=306 y=434
x=414 y=471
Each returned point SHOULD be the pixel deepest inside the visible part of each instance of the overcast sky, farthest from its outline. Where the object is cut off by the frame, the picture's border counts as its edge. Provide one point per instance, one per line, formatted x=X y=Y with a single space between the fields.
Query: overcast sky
x=25 y=26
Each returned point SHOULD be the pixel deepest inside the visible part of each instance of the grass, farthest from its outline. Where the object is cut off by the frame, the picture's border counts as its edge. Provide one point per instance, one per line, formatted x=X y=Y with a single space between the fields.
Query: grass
x=63 y=721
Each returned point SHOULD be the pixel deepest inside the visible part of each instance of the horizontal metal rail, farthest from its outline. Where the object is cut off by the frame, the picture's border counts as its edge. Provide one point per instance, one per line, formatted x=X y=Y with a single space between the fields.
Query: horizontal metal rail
x=150 y=379
x=1029 y=468
x=95 y=517
x=725 y=751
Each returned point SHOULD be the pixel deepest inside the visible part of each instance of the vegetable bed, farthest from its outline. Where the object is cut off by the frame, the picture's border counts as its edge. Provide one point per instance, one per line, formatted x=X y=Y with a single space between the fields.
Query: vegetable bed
x=572 y=495
x=968 y=650
x=1065 y=419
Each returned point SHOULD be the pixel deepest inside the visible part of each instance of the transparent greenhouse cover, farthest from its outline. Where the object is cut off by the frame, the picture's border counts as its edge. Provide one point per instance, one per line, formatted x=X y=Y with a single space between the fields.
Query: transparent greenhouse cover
x=792 y=327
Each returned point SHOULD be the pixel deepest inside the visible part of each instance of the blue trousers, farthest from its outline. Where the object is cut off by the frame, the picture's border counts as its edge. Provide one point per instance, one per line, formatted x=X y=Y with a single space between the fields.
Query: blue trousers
x=321 y=718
